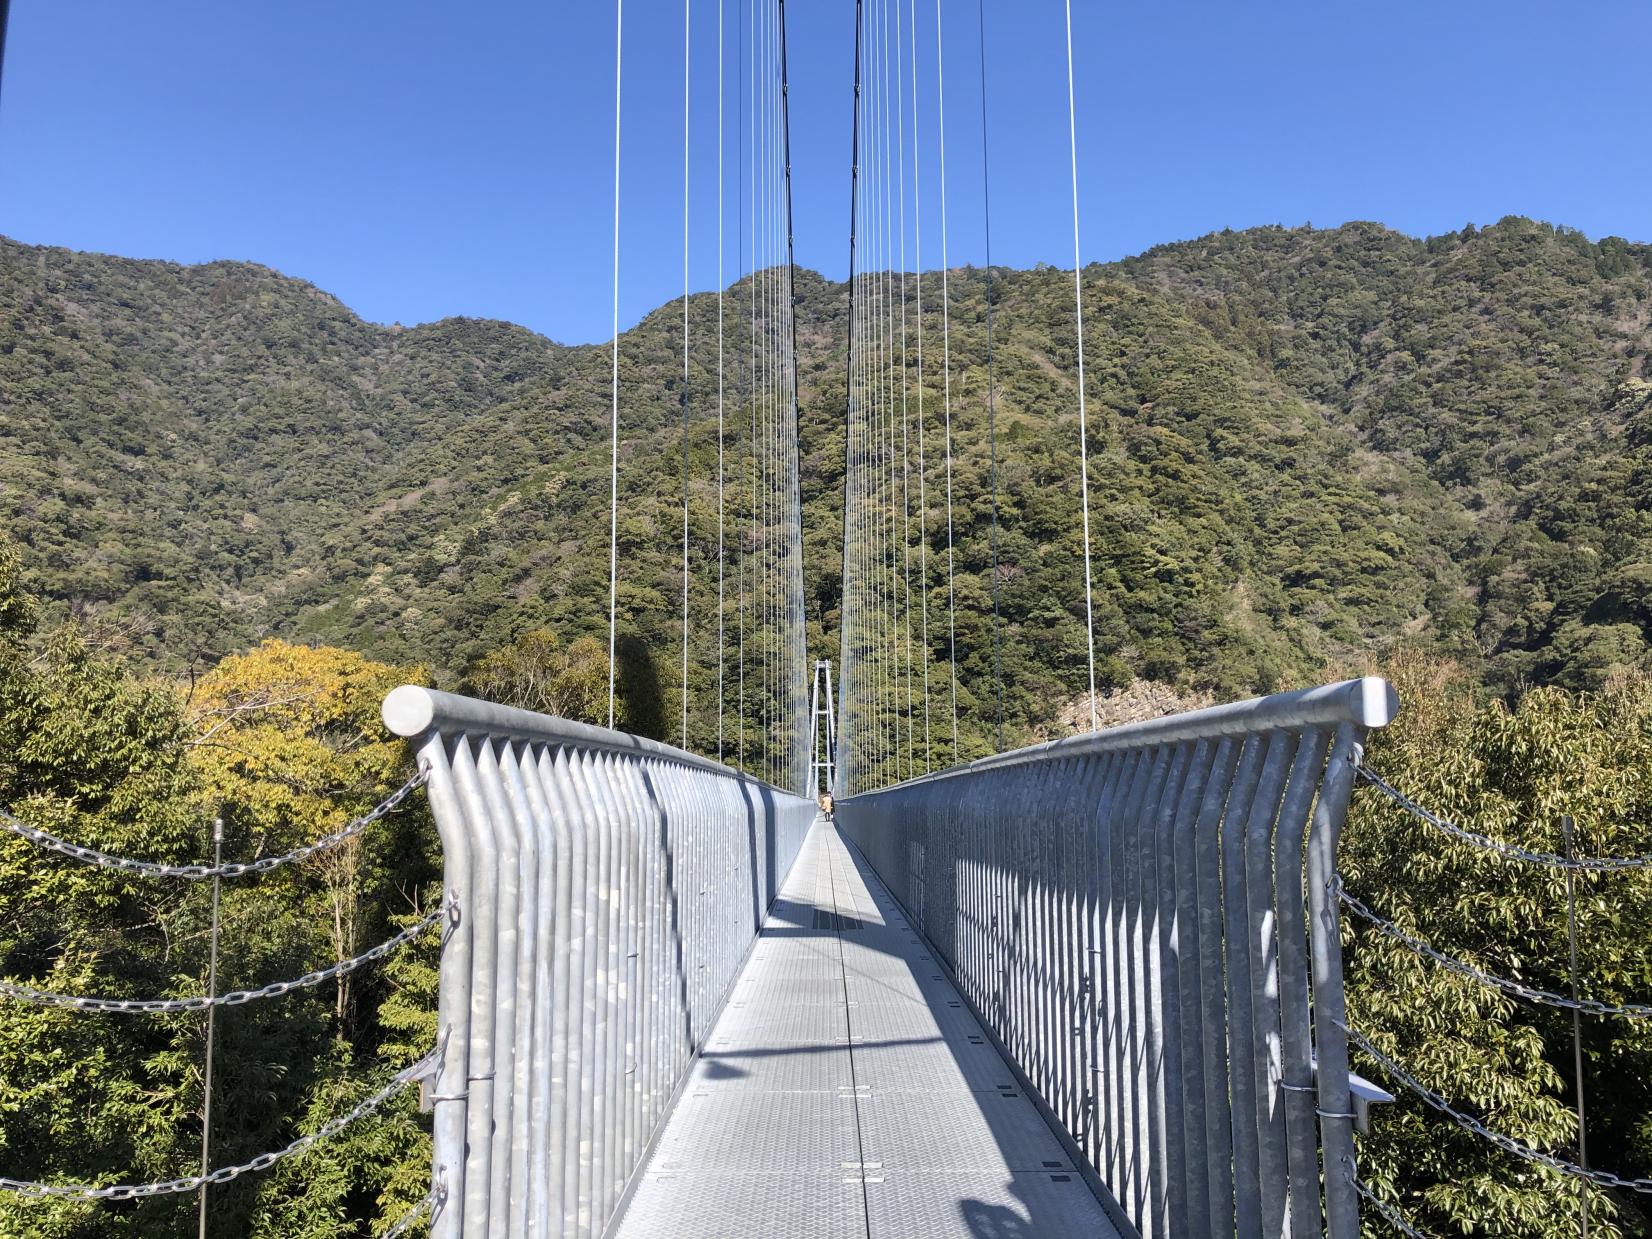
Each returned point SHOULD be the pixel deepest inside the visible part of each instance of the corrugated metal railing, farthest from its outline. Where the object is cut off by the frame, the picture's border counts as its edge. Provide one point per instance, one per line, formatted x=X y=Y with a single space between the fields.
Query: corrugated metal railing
x=1127 y=910
x=608 y=889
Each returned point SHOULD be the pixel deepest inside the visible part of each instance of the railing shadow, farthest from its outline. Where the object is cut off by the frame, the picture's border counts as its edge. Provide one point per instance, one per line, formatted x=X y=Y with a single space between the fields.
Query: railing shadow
x=1018 y=1210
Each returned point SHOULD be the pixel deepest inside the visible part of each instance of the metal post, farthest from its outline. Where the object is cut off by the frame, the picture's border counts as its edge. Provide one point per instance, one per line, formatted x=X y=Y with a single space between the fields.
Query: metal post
x=1566 y=827
x=212 y=992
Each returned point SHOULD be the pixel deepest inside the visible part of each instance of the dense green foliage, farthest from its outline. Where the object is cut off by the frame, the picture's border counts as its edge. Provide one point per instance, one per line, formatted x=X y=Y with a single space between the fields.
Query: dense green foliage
x=1511 y=773
x=1307 y=447
x=283 y=743
x=1304 y=444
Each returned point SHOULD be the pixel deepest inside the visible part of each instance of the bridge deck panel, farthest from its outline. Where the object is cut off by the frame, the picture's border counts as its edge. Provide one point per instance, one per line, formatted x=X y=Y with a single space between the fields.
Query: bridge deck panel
x=848 y=1090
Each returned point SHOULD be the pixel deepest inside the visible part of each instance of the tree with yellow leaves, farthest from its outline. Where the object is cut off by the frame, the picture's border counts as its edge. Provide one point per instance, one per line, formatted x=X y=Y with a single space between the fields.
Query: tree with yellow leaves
x=288 y=737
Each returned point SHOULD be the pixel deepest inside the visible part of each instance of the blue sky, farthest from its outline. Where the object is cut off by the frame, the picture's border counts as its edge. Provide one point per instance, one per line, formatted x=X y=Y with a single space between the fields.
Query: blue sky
x=423 y=158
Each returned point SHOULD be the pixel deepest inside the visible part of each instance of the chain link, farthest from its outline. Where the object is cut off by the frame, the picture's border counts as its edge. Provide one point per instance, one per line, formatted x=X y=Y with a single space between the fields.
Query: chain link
x=194 y=873
x=1389 y=1213
x=1632 y=1010
x=1589 y=864
x=435 y=1197
x=1601 y=1178
x=156 y=1006
x=170 y=1187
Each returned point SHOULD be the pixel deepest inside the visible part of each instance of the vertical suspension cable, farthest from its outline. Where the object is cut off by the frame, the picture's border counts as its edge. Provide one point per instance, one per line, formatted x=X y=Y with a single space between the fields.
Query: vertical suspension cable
x=1083 y=428
x=613 y=434
x=946 y=370
x=686 y=41
x=721 y=656
x=797 y=620
x=871 y=344
x=878 y=400
x=776 y=550
x=888 y=279
x=740 y=557
x=848 y=736
x=886 y=458
x=906 y=506
x=918 y=265
x=770 y=339
x=760 y=439
x=992 y=411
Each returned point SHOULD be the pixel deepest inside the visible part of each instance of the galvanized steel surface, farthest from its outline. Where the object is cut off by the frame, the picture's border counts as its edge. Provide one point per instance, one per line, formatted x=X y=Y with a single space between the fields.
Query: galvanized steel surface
x=847 y=1090
x=1128 y=911
x=611 y=887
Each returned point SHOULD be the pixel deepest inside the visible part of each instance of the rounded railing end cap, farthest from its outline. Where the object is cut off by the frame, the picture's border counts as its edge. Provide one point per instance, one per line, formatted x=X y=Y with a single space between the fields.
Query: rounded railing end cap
x=409 y=710
x=1378 y=702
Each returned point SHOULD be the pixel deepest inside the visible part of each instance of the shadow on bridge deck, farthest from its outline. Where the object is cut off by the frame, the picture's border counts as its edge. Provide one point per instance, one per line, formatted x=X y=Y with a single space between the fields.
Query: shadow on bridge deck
x=847 y=1090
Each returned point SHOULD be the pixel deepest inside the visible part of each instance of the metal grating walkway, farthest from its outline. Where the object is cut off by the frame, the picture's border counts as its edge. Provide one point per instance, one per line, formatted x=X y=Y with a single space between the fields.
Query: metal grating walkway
x=847 y=1091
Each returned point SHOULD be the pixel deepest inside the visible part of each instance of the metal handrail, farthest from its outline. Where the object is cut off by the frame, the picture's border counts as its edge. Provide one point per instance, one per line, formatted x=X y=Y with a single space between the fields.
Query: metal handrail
x=1368 y=702
x=414 y=711
x=612 y=886
x=1145 y=917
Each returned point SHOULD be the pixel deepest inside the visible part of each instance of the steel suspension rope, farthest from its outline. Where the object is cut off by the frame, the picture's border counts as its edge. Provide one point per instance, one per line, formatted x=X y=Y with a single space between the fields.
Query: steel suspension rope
x=613 y=433
x=748 y=475
x=992 y=401
x=946 y=370
x=687 y=13
x=877 y=732
x=848 y=615
x=871 y=344
x=722 y=658
x=1083 y=427
x=906 y=496
x=918 y=266
x=771 y=342
x=890 y=655
x=891 y=169
x=799 y=652
x=740 y=557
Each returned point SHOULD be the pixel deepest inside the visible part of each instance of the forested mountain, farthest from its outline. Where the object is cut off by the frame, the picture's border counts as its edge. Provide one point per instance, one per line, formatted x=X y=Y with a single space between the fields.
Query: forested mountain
x=1305 y=445
x=1308 y=448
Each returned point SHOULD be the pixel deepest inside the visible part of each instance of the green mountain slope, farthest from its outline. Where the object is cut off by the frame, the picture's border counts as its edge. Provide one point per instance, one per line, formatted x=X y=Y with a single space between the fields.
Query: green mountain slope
x=1305 y=446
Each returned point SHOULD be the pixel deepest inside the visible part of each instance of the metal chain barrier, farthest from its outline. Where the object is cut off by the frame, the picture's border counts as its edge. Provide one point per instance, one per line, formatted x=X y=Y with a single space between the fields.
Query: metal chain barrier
x=152 y=1006
x=436 y=1196
x=195 y=873
x=1601 y=1178
x=1590 y=1006
x=1388 y=1212
x=1594 y=864
x=226 y=1174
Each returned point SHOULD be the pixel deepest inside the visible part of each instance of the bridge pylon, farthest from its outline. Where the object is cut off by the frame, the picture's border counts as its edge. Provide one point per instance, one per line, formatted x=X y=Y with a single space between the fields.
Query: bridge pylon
x=822 y=730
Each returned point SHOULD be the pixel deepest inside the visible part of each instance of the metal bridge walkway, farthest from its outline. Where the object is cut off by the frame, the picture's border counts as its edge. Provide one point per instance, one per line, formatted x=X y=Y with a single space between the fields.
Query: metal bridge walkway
x=847 y=1090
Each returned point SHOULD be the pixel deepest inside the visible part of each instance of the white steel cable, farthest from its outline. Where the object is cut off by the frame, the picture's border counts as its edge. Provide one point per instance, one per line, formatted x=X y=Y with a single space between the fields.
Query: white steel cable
x=946 y=370
x=721 y=653
x=1083 y=431
x=687 y=15
x=613 y=434
x=992 y=385
x=918 y=265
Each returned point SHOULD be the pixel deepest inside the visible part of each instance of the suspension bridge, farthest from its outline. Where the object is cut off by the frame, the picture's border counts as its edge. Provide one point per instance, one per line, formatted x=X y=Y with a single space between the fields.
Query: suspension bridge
x=1091 y=987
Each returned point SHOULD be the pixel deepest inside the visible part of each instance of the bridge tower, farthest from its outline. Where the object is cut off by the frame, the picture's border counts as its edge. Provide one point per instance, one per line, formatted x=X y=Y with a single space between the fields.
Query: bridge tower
x=822 y=731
